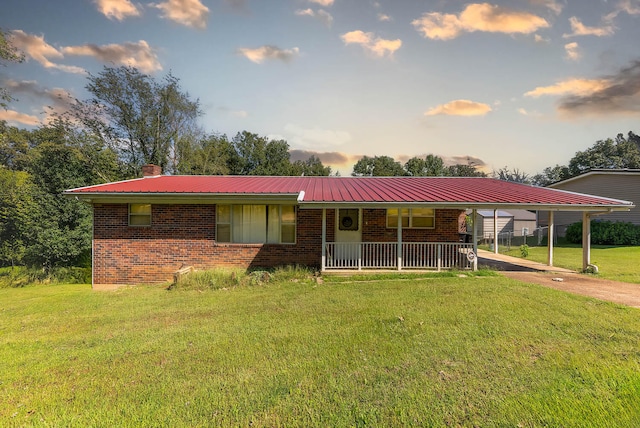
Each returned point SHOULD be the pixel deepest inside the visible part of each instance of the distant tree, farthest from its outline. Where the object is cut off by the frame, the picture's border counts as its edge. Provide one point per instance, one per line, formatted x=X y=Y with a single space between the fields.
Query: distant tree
x=8 y=53
x=607 y=154
x=430 y=166
x=142 y=119
x=14 y=147
x=515 y=175
x=15 y=204
x=310 y=167
x=551 y=175
x=209 y=155
x=460 y=170
x=377 y=166
x=254 y=155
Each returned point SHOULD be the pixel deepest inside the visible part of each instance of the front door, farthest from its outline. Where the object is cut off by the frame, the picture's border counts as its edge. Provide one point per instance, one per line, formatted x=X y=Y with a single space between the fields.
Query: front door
x=348 y=236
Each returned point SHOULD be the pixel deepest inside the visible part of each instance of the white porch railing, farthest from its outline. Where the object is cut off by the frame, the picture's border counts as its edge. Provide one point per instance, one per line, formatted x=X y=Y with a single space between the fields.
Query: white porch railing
x=384 y=255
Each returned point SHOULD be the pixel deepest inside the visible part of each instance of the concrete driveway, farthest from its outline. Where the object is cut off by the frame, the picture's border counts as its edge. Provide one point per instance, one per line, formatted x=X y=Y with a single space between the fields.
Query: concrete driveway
x=562 y=279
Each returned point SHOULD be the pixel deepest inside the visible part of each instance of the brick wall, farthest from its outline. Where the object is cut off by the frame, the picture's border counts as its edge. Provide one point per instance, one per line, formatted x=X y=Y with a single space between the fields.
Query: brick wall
x=185 y=235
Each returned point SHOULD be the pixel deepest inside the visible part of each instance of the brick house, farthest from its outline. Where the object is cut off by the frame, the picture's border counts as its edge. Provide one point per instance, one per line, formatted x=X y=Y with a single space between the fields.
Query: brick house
x=145 y=229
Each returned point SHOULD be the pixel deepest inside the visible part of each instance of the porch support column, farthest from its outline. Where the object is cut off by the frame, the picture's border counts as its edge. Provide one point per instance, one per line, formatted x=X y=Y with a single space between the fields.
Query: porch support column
x=495 y=231
x=323 y=263
x=586 y=240
x=550 y=236
x=399 y=249
x=475 y=238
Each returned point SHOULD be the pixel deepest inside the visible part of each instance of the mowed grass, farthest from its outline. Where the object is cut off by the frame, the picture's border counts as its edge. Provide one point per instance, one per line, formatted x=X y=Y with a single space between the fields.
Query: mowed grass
x=615 y=263
x=473 y=351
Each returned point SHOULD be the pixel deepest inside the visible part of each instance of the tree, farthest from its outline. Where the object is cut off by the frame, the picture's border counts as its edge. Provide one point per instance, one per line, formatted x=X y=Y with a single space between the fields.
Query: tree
x=15 y=203
x=460 y=170
x=551 y=175
x=607 y=154
x=206 y=156
x=8 y=53
x=430 y=166
x=311 y=167
x=142 y=119
x=377 y=166
x=515 y=175
x=255 y=155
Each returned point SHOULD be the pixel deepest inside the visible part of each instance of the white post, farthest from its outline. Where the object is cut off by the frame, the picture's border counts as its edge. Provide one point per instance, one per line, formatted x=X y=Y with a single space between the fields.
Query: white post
x=399 y=249
x=586 y=240
x=495 y=231
x=475 y=239
x=323 y=264
x=550 y=240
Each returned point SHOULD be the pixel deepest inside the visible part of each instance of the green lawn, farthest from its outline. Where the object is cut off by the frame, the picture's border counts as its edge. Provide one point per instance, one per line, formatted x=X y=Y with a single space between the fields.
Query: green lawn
x=615 y=263
x=474 y=351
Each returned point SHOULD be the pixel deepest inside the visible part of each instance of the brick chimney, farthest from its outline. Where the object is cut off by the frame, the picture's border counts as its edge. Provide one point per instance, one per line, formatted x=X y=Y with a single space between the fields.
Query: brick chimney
x=151 y=170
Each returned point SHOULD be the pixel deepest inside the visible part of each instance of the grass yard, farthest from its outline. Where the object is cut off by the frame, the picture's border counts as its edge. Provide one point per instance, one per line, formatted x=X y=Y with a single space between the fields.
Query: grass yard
x=615 y=263
x=473 y=351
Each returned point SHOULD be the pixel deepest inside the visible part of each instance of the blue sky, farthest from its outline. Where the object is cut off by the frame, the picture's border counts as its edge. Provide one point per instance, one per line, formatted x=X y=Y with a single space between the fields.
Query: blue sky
x=523 y=84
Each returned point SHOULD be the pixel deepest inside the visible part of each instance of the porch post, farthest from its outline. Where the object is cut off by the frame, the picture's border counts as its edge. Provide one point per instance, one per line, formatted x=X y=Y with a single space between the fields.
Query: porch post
x=586 y=240
x=550 y=240
x=399 y=249
x=323 y=264
x=475 y=238
x=495 y=231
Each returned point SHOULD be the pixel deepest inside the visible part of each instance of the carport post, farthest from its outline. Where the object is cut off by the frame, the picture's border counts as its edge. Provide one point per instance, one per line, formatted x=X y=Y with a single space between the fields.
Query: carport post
x=399 y=248
x=495 y=231
x=586 y=240
x=550 y=240
x=475 y=238
x=323 y=263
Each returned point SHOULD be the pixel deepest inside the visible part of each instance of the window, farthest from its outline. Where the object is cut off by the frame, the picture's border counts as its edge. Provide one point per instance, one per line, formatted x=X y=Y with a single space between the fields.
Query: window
x=139 y=214
x=412 y=218
x=256 y=224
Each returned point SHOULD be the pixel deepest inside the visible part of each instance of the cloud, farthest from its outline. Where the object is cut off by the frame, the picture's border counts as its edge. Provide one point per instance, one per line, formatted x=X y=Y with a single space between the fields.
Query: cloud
x=337 y=159
x=570 y=86
x=382 y=17
x=478 y=17
x=325 y=3
x=539 y=39
x=139 y=55
x=615 y=94
x=259 y=55
x=315 y=137
x=56 y=100
x=191 y=13
x=579 y=29
x=117 y=9
x=13 y=116
x=238 y=5
x=375 y=45
x=620 y=95
x=35 y=47
x=460 y=108
x=552 y=5
x=572 y=51
x=321 y=15
x=234 y=113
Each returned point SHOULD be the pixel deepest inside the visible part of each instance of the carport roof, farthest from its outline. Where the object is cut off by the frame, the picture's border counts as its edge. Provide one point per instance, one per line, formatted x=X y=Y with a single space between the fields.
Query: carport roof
x=465 y=192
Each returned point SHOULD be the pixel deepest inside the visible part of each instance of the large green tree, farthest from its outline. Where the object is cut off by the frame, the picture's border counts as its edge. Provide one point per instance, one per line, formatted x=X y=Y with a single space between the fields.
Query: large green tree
x=142 y=119
x=252 y=154
x=615 y=153
x=8 y=53
x=16 y=202
x=377 y=166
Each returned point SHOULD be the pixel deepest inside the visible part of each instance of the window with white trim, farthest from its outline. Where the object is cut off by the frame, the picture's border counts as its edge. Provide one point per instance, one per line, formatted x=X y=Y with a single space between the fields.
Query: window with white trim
x=256 y=224
x=139 y=214
x=412 y=218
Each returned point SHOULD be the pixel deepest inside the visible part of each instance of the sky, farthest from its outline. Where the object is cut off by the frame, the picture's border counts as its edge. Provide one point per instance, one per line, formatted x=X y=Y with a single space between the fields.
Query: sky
x=523 y=84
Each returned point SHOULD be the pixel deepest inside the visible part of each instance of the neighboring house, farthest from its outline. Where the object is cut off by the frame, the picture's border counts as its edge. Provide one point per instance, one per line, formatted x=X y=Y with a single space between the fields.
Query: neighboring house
x=516 y=222
x=622 y=184
x=146 y=229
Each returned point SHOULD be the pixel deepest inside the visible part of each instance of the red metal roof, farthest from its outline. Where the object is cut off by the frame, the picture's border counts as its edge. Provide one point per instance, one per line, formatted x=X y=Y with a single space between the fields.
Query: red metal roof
x=470 y=191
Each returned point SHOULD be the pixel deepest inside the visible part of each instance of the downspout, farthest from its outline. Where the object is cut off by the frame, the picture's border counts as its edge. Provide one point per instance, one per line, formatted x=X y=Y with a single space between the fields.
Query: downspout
x=495 y=231
x=475 y=239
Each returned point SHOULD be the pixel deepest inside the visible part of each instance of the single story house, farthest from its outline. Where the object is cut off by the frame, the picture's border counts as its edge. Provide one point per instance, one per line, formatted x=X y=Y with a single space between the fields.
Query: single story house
x=609 y=183
x=516 y=222
x=147 y=228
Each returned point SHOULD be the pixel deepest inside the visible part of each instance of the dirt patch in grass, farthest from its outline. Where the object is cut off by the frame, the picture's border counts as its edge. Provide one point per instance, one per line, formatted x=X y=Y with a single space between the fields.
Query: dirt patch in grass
x=585 y=285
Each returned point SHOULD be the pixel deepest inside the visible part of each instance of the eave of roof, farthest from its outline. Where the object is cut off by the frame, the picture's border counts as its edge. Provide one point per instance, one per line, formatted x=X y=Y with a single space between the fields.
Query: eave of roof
x=319 y=192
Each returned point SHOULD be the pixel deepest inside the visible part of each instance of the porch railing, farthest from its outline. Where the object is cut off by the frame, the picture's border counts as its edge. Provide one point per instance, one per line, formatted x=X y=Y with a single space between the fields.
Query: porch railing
x=384 y=255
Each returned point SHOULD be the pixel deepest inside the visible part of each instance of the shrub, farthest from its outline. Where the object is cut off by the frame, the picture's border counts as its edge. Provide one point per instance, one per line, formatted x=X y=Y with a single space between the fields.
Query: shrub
x=606 y=233
x=524 y=250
